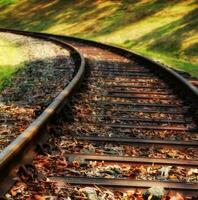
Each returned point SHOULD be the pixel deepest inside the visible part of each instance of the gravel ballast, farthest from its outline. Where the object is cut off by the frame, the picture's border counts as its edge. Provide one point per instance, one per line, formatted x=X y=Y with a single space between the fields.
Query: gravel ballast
x=48 y=68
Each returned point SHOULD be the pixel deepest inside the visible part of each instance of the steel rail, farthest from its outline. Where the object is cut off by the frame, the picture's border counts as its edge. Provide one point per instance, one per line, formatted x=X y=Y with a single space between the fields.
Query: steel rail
x=17 y=147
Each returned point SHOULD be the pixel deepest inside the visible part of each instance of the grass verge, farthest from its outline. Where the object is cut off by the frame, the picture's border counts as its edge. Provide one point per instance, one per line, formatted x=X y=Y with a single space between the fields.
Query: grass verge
x=11 y=58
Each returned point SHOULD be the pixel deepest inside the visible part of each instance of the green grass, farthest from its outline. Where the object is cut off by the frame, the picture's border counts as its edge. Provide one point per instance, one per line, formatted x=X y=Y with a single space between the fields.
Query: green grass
x=6 y=2
x=11 y=59
x=163 y=30
x=172 y=62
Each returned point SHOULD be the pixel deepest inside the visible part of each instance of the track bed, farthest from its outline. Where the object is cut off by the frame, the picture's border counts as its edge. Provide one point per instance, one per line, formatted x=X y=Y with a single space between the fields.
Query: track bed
x=126 y=130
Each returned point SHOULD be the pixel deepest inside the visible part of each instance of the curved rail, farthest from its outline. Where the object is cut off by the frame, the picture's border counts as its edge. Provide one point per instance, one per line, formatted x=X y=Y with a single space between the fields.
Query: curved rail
x=18 y=146
x=172 y=76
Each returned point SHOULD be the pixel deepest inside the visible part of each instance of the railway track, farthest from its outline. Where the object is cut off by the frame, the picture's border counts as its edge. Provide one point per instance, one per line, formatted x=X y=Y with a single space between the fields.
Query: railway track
x=131 y=126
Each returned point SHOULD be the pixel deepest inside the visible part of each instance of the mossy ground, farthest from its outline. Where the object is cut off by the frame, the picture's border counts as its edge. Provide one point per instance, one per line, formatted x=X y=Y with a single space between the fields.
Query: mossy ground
x=163 y=30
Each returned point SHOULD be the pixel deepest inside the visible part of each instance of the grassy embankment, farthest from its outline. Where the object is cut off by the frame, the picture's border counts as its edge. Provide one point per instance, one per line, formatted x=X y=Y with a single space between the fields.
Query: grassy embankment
x=163 y=30
x=11 y=59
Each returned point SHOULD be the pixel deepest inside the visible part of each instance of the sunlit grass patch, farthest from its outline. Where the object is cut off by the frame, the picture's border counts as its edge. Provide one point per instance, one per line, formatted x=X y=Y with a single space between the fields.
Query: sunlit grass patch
x=179 y=64
x=6 y=2
x=11 y=59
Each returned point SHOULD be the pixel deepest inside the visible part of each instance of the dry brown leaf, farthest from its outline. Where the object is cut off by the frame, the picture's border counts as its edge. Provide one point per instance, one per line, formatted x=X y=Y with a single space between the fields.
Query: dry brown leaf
x=39 y=197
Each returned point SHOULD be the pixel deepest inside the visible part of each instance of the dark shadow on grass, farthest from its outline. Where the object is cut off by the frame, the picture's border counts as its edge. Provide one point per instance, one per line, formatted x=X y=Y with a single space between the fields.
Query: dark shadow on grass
x=173 y=41
x=169 y=38
x=130 y=12
x=41 y=15
x=192 y=50
x=33 y=83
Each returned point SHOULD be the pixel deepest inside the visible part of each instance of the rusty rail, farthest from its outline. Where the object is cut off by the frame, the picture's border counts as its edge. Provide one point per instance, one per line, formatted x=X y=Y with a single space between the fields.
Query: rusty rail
x=11 y=154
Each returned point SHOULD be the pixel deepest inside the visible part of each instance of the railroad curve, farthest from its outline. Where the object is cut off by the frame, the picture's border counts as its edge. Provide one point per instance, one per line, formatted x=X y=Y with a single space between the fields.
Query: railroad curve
x=133 y=124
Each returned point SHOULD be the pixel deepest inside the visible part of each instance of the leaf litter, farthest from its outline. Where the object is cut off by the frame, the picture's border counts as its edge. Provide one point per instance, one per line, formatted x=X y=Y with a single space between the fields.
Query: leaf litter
x=53 y=162
x=47 y=70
